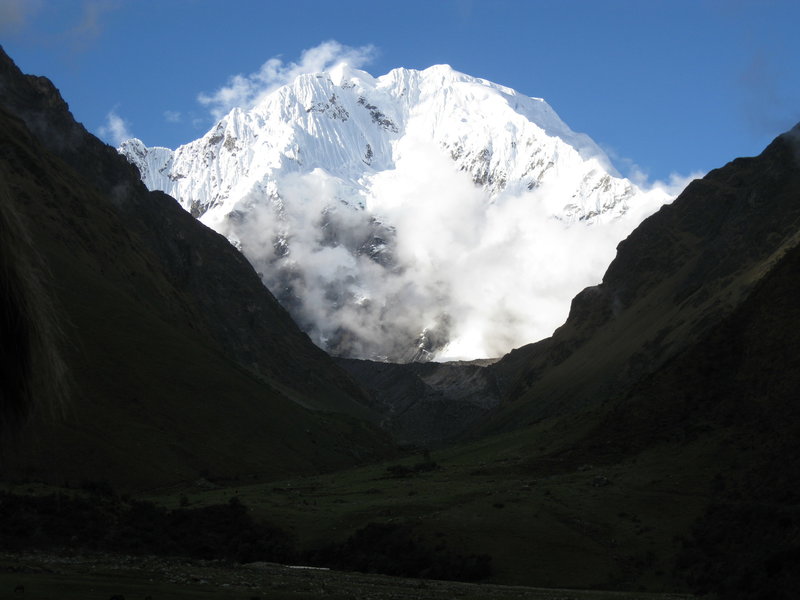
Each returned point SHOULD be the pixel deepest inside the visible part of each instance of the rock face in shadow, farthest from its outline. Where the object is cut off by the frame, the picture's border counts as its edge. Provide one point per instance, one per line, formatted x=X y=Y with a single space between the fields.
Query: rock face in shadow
x=692 y=340
x=735 y=390
x=680 y=273
x=429 y=403
x=179 y=361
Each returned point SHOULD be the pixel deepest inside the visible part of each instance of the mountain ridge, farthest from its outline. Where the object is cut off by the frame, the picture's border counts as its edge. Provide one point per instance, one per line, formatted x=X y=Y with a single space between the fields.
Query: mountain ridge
x=352 y=196
x=653 y=439
x=341 y=96
x=171 y=341
x=679 y=273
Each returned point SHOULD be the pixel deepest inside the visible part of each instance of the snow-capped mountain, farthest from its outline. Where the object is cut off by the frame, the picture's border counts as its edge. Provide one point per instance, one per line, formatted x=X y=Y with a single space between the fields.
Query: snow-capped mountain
x=349 y=124
x=385 y=212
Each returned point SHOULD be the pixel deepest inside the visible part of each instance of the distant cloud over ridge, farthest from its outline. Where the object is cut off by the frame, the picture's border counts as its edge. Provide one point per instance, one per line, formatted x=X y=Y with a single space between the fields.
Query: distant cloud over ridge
x=245 y=91
x=115 y=130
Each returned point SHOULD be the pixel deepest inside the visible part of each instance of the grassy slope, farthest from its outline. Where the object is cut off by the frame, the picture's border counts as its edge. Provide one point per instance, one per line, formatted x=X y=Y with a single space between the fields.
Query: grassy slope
x=154 y=398
x=98 y=578
x=221 y=296
x=683 y=270
x=517 y=497
x=622 y=493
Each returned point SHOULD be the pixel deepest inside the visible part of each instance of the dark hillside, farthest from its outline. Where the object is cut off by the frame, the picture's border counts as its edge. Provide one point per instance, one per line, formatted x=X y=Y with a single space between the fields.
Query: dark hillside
x=741 y=380
x=223 y=296
x=735 y=394
x=180 y=364
x=691 y=348
x=677 y=275
x=429 y=403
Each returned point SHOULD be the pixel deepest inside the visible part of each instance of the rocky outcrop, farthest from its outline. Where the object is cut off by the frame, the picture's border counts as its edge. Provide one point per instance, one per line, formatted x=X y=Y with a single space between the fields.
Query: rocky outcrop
x=426 y=404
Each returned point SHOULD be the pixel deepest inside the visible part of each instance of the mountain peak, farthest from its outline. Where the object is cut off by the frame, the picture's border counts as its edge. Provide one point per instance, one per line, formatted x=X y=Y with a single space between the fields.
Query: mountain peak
x=324 y=183
x=146 y=327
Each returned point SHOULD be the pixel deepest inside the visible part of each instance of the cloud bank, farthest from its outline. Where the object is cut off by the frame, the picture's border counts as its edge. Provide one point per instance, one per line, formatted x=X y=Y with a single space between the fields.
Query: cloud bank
x=173 y=116
x=115 y=130
x=433 y=266
x=245 y=91
x=15 y=14
x=416 y=262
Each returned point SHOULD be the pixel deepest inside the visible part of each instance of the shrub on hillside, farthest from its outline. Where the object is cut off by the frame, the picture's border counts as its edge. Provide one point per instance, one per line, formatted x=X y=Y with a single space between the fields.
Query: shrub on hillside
x=393 y=549
x=106 y=523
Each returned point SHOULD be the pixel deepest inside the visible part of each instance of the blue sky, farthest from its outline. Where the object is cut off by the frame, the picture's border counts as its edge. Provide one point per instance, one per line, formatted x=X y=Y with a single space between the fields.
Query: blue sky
x=665 y=87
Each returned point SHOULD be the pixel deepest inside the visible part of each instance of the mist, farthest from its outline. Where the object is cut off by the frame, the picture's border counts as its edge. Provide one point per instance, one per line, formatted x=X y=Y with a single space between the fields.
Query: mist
x=418 y=262
x=481 y=216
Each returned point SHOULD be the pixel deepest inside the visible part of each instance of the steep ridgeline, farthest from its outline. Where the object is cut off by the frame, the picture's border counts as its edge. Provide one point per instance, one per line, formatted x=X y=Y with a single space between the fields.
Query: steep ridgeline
x=351 y=124
x=426 y=404
x=180 y=362
x=679 y=274
x=353 y=197
x=680 y=372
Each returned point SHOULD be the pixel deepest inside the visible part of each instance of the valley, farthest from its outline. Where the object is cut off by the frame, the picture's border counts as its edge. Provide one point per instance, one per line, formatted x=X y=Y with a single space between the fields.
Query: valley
x=647 y=449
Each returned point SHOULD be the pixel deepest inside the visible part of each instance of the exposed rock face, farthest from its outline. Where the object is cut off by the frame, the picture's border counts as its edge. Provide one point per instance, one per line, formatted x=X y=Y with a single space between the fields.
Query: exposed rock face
x=181 y=361
x=426 y=403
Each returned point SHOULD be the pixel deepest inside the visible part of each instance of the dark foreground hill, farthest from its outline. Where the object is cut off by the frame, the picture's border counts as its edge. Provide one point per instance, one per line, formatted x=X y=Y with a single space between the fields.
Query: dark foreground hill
x=654 y=439
x=652 y=443
x=168 y=359
x=680 y=273
x=426 y=404
x=692 y=341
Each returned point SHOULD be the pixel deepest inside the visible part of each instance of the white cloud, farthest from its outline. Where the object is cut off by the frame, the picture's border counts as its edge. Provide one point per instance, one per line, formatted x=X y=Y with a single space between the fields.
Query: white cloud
x=115 y=131
x=245 y=91
x=173 y=116
x=91 y=23
x=674 y=185
x=487 y=274
x=484 y=273
x=641 y=178
x=14 y=14
x=78 y=35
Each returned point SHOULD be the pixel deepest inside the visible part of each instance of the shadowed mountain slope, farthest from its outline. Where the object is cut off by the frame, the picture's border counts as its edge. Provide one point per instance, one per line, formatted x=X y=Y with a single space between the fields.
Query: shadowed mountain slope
x=678 y=274
x=426 y=403
x=653 y=440
x=229 y=301
x=735 y=391
x=683 y=367
x=181 y=363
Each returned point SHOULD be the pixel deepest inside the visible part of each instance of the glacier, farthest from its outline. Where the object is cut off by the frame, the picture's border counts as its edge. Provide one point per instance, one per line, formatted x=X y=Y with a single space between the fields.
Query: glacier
x=423 y=214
